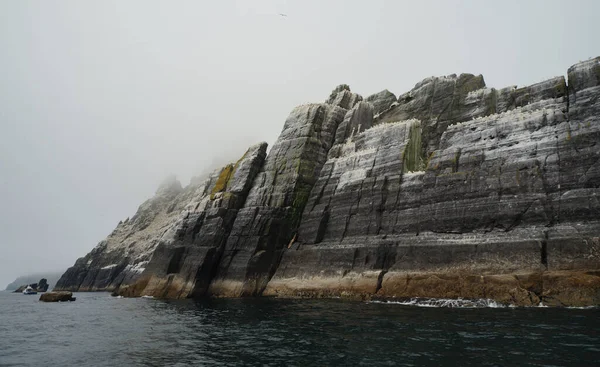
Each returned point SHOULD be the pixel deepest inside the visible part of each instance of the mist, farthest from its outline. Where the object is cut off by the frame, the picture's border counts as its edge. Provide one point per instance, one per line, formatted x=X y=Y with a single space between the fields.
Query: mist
x=99 y=102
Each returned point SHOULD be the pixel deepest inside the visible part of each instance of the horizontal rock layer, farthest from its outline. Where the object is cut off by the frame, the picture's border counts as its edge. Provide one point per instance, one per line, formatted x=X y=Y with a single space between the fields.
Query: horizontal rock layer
x=451 y=190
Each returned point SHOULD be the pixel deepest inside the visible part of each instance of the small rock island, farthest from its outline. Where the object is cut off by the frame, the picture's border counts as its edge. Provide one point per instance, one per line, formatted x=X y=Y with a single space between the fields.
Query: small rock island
x=40 y=287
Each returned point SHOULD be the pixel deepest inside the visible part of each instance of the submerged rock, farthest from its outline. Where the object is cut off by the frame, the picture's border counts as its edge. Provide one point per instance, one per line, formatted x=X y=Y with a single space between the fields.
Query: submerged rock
x=452 y=190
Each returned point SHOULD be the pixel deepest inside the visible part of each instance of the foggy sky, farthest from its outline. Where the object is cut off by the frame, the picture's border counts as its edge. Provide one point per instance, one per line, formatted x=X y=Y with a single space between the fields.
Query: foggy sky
x=99 y=101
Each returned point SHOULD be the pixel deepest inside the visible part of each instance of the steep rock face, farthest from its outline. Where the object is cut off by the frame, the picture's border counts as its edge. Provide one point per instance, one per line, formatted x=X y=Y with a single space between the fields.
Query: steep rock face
x=360 y=117
x=441 y=101
x=273 y=209
x=382 y=101
x=188 y=252
x=341 y=96
x=123 y=256
x=452 y=190
x=511 y=193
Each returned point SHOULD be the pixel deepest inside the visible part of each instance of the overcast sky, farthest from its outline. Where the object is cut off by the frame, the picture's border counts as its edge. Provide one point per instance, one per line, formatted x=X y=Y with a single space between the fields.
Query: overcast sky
x=99 y=101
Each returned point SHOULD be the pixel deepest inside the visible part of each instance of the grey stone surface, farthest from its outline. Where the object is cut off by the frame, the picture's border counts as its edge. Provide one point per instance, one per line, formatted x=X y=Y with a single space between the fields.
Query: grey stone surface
x=505 y=187
x=272 y=212
x=124 y=255
x=342 y=96
x=189 y=251
x=381 y=101
x=359 y=118
x=453 y=190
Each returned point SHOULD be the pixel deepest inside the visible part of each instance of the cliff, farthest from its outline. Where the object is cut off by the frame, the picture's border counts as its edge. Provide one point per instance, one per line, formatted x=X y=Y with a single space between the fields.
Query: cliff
x=450 y=190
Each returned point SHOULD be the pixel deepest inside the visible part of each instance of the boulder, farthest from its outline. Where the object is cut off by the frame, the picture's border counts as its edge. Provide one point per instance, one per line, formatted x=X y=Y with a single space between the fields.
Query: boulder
x=57 y=297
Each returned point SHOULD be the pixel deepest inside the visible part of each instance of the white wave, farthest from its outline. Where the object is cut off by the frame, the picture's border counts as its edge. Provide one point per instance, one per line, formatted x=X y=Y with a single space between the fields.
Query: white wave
x=582 y=307
x=466 y=303
x=149 y=297
x=446 y=302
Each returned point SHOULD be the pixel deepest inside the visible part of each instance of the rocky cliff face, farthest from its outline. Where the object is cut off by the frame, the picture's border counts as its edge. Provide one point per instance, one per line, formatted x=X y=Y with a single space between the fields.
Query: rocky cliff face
x=173 y=236
x=189 y=252
x=451 y=190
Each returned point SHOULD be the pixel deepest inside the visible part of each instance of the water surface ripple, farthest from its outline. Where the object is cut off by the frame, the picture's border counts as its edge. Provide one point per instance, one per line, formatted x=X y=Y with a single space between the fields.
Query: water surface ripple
x=100 y=330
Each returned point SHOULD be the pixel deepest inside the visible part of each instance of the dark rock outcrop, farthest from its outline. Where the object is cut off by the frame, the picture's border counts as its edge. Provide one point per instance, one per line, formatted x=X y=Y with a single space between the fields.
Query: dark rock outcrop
x=271 y=214
x=52 y=278
x=341 y=96
x=122 y=256
x=41 y=286
x=190 y=250
x=163 y=234
x=57 y=297
x=22 y=288
x=452 y=190
x=382 y=101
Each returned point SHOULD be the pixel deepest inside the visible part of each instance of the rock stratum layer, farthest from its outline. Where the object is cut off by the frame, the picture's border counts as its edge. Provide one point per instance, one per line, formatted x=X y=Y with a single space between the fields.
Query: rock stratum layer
x=450 y=190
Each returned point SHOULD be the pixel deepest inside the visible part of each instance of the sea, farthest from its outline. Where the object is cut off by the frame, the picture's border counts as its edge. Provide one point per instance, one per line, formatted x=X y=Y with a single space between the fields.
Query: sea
x=100 y=330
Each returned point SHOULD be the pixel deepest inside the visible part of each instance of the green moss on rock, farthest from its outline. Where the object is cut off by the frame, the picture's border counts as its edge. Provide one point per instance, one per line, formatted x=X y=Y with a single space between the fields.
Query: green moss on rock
x=412 y=159
x=560 y=89
x=223 y=180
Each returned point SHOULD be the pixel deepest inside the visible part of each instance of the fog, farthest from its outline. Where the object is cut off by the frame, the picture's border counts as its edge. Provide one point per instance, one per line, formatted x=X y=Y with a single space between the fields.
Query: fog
x=101 y=101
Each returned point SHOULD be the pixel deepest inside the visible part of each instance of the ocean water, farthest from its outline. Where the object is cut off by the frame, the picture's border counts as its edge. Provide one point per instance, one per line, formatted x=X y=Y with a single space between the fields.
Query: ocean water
x=100 y=330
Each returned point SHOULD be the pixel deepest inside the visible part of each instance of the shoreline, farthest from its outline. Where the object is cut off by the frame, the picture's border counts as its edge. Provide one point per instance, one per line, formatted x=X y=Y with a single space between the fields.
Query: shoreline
x=557 y=289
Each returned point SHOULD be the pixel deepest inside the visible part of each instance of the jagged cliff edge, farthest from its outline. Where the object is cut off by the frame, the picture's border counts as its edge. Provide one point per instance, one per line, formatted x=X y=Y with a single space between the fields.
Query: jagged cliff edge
x=450 y=190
